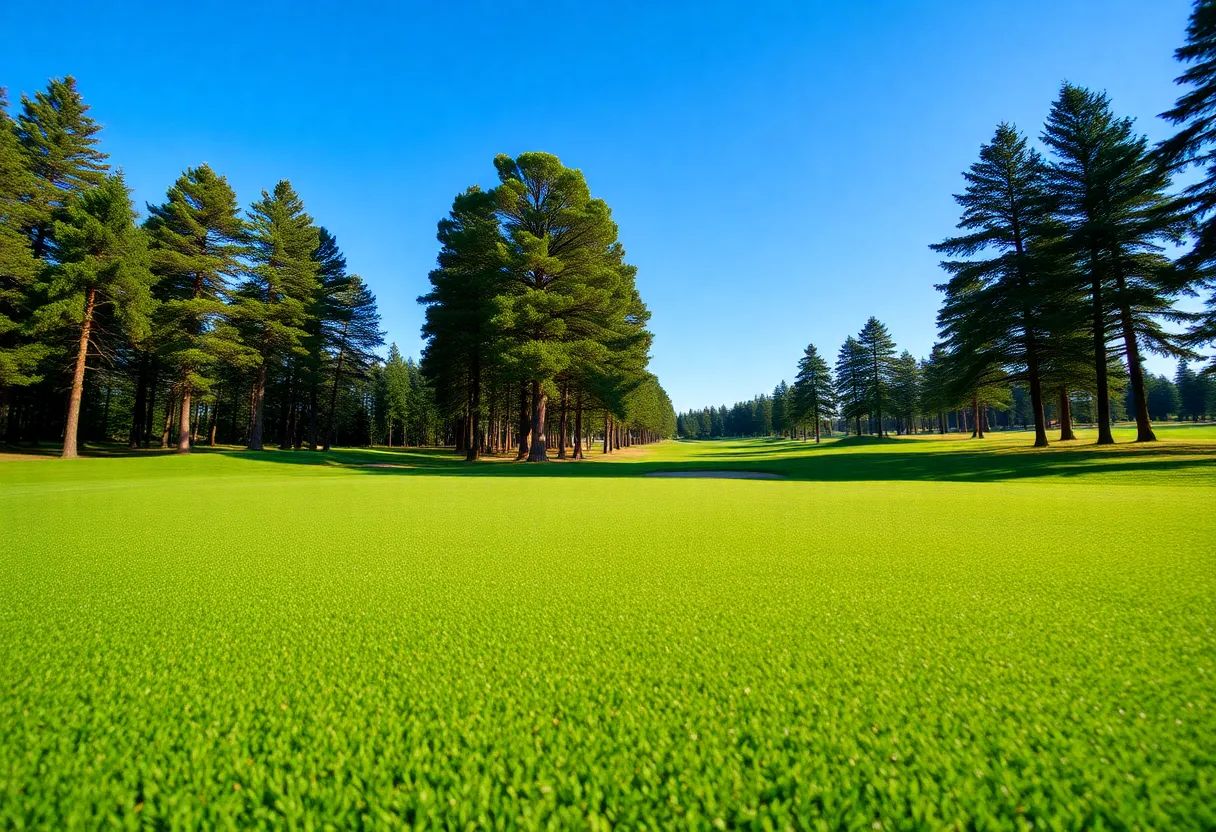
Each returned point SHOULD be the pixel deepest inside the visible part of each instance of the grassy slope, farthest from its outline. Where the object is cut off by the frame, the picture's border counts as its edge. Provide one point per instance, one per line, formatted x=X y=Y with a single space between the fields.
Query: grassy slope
x=912 y=632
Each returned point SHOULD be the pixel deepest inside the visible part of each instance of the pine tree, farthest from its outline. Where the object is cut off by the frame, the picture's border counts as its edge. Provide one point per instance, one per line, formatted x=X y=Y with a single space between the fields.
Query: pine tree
x=997 y=309
x=905 y=391
x=274 y=301
x=879 y=349
x=462 y=330
x=353 y=333
x=59 y=142
x=196 y=238
x=19 y=353
x=574 y=290
x=100 y=284
x=1195 y=144
x=851 y=381
x=1110 y=196
x=813 y=396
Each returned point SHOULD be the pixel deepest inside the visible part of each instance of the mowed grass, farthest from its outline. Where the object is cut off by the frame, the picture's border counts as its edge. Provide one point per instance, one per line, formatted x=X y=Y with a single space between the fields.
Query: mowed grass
x=910 y=634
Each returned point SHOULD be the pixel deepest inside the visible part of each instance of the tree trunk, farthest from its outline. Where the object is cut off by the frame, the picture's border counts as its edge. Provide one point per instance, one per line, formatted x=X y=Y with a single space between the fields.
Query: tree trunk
x=150 y=414
x=539 y=401
x=183 y=427
x=578 y=426
x=312 y=415
x=333 y=401
x=562 y=418
x=1066 y=434
x=215 y=417
x=1105 y=437
x=1144 y=427
x=170 y=410
x=77 y=394
x=259 y=408
x=473 y=440
x=141 y=402
x=607 y=431
x=525 y=424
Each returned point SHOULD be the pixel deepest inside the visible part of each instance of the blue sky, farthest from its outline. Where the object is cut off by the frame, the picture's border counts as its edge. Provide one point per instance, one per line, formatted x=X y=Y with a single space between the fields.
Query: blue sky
x=777 y=170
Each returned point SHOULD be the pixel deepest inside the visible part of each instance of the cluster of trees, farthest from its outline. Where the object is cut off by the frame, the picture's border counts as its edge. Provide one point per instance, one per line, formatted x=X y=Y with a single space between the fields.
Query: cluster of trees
x=1059 y=283
x=202 y=323
x=875 y=387
x=1062 y=272
x=532 y=303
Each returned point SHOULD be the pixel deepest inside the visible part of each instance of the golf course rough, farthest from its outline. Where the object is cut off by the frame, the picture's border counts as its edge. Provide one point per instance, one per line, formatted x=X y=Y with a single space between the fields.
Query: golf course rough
x=285 y=640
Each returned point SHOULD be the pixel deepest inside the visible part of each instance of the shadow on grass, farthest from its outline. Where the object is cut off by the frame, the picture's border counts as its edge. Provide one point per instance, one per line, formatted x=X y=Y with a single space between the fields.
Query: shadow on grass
x=835 y=460
x=825 y=463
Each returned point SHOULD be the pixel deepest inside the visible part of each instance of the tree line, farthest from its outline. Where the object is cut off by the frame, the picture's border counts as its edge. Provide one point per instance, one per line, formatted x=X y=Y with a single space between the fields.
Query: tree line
x=1059 y=282
x=535 y=333
x=203 y=322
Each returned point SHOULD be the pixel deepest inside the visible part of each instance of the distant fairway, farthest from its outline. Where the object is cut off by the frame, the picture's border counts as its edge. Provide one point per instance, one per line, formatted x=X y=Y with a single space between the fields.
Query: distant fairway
x=904 y=634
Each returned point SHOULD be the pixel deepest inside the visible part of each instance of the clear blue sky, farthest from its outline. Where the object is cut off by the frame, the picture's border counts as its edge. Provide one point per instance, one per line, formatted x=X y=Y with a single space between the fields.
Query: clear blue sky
x=777 y=170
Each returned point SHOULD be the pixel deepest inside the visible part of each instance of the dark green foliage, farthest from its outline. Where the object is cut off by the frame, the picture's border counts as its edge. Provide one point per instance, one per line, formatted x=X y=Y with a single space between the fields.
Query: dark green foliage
x=99 y=289
x=196 y=238
x=877 y=368
x=275 y=301
x=998 y=313
x=813 y=398
x=19 y=352
x=1195 y=144
x=59 y=142
x=1109 y=195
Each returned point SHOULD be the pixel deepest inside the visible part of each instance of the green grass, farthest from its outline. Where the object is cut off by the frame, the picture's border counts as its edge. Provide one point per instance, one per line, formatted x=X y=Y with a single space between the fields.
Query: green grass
x=903 y=634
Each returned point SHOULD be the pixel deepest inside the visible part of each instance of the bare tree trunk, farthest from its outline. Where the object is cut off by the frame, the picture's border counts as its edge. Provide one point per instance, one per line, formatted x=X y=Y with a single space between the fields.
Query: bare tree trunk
x=1144 y=427
x=1066 y=433
x=77 y=394
x=561 y=436
x=539 y=401
x=1105 y=437
x=312 y=416
x=333 y=401
x=607 y=431
x=215 y=417
x=150 y=414
x=183 y=425
x=578 y=426
x=259 y=407
x=170 y=411
x=525 y=424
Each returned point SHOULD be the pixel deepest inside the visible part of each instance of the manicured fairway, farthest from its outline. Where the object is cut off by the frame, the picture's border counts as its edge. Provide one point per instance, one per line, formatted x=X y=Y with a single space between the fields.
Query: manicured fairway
x=910 y=634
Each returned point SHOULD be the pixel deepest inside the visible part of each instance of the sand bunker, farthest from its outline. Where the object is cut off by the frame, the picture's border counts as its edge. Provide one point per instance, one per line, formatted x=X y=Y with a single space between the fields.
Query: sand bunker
x=719 y=475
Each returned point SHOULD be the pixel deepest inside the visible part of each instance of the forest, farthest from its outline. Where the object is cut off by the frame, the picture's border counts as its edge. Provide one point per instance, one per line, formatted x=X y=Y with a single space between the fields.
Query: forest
x=204 y=323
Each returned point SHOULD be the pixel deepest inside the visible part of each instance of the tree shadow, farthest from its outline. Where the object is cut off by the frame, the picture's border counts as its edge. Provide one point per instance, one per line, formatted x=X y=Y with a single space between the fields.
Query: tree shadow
x=886 y=460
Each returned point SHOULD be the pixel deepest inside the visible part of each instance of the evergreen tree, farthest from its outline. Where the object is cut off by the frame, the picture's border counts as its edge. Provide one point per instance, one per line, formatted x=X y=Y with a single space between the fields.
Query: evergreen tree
x=905 y=391
x=59 y=142
x=274 y=302
x=353 y=333
x=100 y=282
x=19 y=353
x=1110 y=197
x=852 y=373
x=879 y=349
x=396 y=392
x=462 y=331
x=573 y=291
x=1195 y=144
x=196 y=238
x=997 y=309
x=813 y=395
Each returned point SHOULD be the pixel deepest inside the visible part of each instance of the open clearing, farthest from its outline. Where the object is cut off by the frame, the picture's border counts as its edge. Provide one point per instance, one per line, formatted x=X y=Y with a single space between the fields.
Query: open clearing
x=901 y=634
